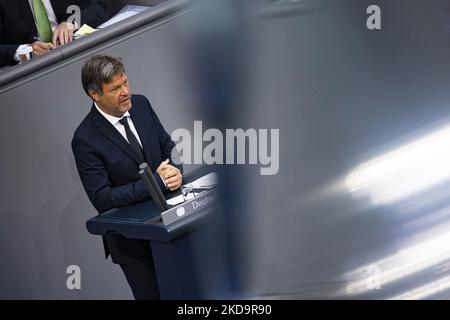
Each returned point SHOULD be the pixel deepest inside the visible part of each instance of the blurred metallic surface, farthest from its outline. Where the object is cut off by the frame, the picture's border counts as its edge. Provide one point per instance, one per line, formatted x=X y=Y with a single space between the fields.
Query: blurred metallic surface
x=360 y=208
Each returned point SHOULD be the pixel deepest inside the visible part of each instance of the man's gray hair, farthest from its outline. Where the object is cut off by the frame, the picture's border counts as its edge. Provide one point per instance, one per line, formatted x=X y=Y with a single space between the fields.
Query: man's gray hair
x=100 y=69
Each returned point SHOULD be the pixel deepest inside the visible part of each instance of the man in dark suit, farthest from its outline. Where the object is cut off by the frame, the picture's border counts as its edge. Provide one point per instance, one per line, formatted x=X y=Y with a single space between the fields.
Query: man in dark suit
x=120 y=132
x=19 y=24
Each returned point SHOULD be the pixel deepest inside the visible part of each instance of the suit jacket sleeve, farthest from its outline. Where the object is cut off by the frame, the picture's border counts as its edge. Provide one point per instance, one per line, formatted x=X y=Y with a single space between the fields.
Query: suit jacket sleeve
x=7 y=51
x=94 y=177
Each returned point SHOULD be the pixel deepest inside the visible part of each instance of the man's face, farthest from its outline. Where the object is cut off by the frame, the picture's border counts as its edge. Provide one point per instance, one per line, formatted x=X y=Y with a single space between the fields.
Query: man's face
x=116 y=97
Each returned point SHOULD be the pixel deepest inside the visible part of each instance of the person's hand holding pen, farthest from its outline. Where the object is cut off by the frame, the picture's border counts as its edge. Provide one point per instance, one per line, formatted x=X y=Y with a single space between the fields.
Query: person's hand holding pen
x=40 y=47
x=63 y=34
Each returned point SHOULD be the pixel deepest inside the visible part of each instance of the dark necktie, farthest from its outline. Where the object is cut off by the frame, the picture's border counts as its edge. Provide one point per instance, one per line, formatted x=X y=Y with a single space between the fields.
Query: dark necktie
x=133 y=140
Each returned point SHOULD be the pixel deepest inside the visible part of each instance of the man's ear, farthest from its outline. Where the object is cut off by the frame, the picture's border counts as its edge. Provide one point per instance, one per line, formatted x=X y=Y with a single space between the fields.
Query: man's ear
x=94 y=95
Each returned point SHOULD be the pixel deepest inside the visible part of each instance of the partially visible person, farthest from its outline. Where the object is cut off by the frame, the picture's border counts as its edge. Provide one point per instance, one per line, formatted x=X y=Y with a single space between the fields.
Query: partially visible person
x=43 y=25
x=119 y=133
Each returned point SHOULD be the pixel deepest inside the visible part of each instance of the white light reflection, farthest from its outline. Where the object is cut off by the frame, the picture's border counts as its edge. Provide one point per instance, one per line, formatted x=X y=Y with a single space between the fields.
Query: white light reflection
x=426 y=290
x=415 y=258
x=404 y=172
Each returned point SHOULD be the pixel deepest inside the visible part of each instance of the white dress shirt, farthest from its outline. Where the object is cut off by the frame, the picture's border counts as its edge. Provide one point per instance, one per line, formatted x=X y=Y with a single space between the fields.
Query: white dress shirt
x=120 y=127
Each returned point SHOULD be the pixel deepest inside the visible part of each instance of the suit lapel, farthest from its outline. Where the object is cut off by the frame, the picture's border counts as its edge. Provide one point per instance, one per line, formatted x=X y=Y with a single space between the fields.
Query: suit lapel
x=108 y=130
x=142 y=125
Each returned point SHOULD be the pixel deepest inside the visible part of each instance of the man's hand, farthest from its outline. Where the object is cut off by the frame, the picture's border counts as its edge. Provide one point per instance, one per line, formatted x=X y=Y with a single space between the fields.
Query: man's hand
x=40 y=47
x=63 y=33
x=161 y=168
x=171 y=175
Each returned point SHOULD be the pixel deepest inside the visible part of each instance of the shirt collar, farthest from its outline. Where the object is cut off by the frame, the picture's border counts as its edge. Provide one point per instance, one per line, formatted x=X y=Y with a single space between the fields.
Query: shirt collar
x=112 y=119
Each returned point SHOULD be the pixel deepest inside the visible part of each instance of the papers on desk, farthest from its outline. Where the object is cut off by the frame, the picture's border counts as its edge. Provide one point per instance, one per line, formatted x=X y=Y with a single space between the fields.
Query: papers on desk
x=84 y=31
x=180 y=199
x=126 y=12
x=206 y=182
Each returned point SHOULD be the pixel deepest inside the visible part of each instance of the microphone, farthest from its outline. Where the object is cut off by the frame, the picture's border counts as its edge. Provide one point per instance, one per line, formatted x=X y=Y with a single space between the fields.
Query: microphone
x=153 y=187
